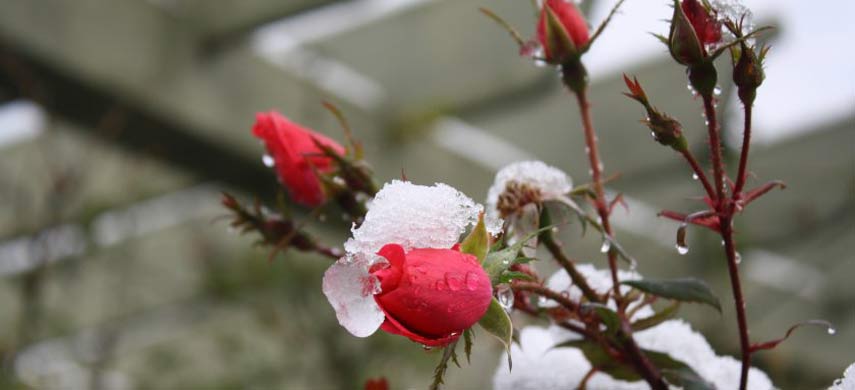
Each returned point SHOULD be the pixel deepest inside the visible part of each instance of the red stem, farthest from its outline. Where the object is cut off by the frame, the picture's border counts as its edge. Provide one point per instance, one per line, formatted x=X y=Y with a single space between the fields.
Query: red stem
x=738 y=298
x=596 y=177
x=642 y=364
x=725 y=208
x=690 y=158
x=743 y=157
x=715 y=151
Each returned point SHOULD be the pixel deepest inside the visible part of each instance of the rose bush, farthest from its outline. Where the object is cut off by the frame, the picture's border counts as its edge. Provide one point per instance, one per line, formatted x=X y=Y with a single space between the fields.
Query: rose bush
x=296 y=156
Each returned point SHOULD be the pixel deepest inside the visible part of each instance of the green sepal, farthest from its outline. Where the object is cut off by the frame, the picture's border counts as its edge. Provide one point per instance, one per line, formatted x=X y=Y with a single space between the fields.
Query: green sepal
x=497 y=322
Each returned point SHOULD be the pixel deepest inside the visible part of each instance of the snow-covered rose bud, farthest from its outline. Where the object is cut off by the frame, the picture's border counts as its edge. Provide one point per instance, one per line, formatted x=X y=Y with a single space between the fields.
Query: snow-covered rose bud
x=561 y=30
x=296 y=155
x=430 y=295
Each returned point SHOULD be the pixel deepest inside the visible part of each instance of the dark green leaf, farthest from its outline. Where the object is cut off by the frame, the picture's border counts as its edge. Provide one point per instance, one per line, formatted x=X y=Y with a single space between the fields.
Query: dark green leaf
x=685 y=289
x=510 y=276
x=497 y=323
x=608 y=317
x=677 y=373
x=597 y=356
x=656 y=319
x=478 y=241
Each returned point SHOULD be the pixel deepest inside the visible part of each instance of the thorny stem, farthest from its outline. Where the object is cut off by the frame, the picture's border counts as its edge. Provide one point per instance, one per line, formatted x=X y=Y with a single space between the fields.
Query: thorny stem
x=743 y=157
x=546 y=293
x=739 y=300
x=715 y=150
x=570 y=266
x=699 y=172
x=596 y=176
x=725 y=208
x=642 y=364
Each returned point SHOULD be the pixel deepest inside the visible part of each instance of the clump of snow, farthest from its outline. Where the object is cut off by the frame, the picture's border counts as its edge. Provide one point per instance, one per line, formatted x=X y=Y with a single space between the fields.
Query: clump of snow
x=416 y=216
x=350 y=290
x=848 y=380
x=550 y=181
x=413 y=216
x=538 y=366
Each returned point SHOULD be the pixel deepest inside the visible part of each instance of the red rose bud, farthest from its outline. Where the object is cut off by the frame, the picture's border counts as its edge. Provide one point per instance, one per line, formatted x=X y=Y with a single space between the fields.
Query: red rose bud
x=693 y=27
x=431 y=295
x=296 y=156
x=561 y=30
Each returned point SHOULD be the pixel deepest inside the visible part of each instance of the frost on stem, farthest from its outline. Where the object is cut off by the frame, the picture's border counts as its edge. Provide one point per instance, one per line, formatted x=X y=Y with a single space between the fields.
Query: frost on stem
x=403 y=213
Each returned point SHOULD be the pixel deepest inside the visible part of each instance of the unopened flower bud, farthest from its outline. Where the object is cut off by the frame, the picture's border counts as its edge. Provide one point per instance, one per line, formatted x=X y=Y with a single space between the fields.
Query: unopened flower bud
x=693 y=27
x=561 y=30
x=748 y=72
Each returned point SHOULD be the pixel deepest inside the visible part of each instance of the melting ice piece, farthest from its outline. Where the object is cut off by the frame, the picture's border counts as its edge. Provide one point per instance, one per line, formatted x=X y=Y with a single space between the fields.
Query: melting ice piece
x=350 y=290
x=416 y=216
x=552 y=182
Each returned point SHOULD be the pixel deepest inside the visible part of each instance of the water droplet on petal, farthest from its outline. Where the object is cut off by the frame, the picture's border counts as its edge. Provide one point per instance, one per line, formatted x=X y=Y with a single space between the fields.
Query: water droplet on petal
x=268 y=161
x=454 y=282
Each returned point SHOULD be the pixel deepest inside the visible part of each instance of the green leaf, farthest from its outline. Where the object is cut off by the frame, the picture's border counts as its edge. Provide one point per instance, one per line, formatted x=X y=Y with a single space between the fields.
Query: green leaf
x=468 y=334
x=675 y=372
x=439 y=372
x=478 y=241
x=656 y=319
x=510 y=276
x=497 y=323
x=597 y=356
x=497 y=263
x=684 y=289
x=609 y=318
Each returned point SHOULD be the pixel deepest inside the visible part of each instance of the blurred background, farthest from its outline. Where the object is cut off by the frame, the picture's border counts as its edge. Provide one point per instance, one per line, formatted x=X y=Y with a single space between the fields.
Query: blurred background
x=122 y=120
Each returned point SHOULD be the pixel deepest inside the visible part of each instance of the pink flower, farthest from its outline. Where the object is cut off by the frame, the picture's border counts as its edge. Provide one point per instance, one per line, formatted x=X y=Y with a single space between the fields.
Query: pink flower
x=295 y=153
x=572 y=23
x=430 y=295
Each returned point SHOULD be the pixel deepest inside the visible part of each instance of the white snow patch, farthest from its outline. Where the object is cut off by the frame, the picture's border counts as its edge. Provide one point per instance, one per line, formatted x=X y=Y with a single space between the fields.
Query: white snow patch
x=416 y=216
x=350 y=289
x=552 y=182
x=848 y=380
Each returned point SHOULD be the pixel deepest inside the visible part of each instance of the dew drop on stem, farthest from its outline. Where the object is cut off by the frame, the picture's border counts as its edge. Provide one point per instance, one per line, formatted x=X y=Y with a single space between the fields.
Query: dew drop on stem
x=737 y=257
x=695 y=176
x=682 y=249
x=607 y=245
x=831 y=330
